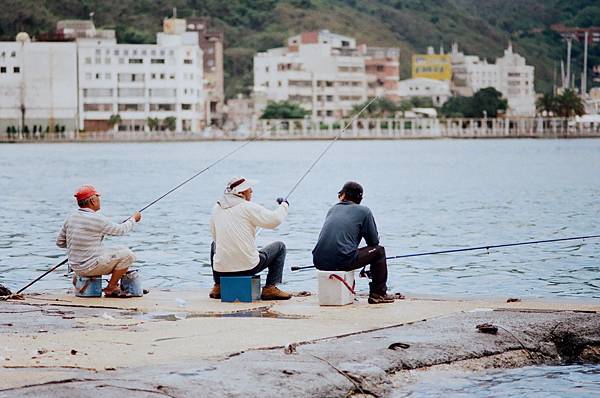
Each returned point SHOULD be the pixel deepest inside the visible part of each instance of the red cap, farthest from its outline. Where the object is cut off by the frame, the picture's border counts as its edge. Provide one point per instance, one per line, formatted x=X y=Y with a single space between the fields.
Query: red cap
x=84 y=192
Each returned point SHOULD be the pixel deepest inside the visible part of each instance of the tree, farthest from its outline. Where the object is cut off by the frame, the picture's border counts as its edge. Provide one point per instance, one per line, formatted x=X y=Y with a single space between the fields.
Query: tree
x=488 y=102
x=153 y=123
x=547 y=103
x=113 y=120
x=485 y=102
x=170 y=123
x=570 y=104
x=380 y=108
x=283 y=110
x=567 y=104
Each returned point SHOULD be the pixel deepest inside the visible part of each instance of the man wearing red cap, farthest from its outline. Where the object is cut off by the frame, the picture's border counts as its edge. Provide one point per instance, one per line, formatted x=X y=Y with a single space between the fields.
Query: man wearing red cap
x=82 y=235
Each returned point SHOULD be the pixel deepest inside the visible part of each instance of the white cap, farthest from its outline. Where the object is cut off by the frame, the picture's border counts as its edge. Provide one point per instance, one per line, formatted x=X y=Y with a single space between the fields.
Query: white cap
x=239 y=184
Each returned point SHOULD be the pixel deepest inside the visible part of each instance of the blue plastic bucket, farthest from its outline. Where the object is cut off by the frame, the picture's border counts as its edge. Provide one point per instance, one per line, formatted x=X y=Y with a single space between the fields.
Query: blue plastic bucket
x=88 y=286
x=131 y=283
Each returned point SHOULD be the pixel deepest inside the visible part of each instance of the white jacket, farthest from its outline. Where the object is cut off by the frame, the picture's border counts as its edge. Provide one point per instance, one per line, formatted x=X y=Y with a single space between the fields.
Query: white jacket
x=233 y=227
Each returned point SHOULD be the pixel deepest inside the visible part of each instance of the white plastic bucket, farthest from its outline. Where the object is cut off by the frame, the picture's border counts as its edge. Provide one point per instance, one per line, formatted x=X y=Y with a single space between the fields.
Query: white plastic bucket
x=336 y=287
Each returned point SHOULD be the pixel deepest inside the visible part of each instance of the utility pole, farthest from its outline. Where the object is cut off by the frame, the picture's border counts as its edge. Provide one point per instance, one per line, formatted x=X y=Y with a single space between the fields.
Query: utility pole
x=585 y=61
x=569 y=42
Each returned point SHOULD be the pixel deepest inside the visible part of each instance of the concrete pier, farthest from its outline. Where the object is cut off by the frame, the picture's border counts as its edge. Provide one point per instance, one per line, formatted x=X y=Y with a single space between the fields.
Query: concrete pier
x=179 y=344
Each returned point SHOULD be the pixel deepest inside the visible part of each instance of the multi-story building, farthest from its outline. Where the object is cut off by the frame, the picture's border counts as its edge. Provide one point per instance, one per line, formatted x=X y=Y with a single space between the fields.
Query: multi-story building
x=437 y=90
x=510 y=75
x=211 y=43
x=141 y=83
x=38 y=86
x=432 y=66
x=382 y=66
x=321 y=71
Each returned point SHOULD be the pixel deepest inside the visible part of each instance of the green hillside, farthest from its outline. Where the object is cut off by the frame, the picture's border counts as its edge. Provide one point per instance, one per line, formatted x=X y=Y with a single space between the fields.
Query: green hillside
x=481 y=27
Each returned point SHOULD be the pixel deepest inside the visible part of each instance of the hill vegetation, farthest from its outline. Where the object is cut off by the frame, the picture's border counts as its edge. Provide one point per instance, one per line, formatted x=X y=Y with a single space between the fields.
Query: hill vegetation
x=481 y=27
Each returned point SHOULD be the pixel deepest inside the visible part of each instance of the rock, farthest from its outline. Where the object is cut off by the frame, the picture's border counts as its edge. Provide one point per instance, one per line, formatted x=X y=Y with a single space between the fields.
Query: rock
x=4 y=291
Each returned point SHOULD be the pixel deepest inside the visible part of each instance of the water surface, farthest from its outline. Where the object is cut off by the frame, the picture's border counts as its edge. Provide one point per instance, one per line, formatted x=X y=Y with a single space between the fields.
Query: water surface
x=426 y=195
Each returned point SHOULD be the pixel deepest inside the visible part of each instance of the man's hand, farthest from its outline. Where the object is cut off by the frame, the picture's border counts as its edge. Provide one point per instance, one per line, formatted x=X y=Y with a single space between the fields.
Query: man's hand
x=137 y=216
x=281 y=200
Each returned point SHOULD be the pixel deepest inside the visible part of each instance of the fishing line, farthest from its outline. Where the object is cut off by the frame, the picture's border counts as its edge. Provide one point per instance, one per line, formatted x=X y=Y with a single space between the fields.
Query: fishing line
x=534 y=242
x=219 y=160
x=324 y=152
x=329 y=146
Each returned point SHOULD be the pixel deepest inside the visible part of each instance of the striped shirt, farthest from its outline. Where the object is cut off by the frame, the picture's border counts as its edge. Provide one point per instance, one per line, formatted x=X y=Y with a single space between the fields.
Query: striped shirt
x=82 y=235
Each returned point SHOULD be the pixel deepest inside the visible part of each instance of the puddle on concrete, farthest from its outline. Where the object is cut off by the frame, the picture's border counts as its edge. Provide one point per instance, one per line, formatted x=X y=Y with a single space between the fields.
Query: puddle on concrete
x=253 y=313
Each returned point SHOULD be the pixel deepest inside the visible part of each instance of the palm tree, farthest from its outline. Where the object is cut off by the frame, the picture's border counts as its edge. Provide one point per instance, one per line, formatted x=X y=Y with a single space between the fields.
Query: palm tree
x=548 y=103
x=113 y=120
x=170 y=123
x=153 y=123
x=570 y=104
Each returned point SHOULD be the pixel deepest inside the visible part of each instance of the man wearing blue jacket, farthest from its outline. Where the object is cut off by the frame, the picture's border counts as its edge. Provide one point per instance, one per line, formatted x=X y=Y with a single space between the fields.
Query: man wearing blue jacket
x=346 y=224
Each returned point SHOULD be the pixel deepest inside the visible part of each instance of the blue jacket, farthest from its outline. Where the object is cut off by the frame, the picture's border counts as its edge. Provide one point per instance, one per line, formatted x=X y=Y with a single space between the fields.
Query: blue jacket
x=345 y=225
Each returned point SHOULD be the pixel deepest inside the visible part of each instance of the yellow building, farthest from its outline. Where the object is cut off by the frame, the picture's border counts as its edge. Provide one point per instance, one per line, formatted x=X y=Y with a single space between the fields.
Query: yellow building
x=432 y=66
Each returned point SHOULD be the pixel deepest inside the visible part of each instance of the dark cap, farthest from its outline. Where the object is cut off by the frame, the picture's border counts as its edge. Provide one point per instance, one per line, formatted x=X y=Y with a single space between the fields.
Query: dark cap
x=353 y=191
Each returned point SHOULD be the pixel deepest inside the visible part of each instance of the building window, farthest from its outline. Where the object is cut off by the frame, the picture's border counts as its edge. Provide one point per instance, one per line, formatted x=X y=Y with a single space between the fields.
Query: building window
x=211 y=50
x=162 y=76
x=17 y=69
x=171 y=52
x=13 y=54
x=131 y=107
x=107 y=76
x=157 y=61
x=125 y=52
x=186 y=107
x=98 y=51
x=172 y=76
x=211 y=62
x=2 y=69
x=131 y=92
x=116 y=52
x=134 y=52
x=162 y=107
x=97 y=61
x=266 y=69
x=107 y=61
x=88 y=76
x=143 y=52
x=121 y=60
x=153 y=76
x=153 y=52
x=136 y=61
x=88 y=60
x=97 y=76
x=188 y=61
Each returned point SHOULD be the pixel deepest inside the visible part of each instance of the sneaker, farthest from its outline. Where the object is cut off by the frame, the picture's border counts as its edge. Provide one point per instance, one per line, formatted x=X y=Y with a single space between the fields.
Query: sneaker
x=375 y=298
x=215 y=293
x=274 y=293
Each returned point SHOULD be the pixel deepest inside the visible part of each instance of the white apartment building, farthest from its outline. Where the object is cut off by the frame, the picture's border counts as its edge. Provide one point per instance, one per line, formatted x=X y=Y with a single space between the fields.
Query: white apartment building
x=139 y=82
x=510 y=75
x=38 y=86
x=321 y=71
x=437 y=90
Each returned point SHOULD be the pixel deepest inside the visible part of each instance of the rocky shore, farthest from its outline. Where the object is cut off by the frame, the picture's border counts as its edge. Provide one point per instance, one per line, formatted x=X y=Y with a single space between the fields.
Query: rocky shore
x=183 y=345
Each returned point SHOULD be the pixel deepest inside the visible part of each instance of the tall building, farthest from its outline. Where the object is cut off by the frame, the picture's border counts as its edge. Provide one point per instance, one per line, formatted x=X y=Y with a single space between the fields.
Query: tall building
x=211 y=43
x=437 y=90
x=432 y=66
x=38 y=86
x=510 y=75
x=321 y=71
x=382 y=66
x=141 y=82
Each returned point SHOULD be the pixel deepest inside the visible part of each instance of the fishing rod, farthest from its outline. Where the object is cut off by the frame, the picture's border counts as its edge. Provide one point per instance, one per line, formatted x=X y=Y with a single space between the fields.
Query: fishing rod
x=342 y=131
x=219 y=160
x=466 y=249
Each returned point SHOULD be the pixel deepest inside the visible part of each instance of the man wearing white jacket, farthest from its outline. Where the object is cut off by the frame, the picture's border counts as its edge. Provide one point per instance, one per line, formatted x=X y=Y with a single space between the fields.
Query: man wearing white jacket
x=233 y=227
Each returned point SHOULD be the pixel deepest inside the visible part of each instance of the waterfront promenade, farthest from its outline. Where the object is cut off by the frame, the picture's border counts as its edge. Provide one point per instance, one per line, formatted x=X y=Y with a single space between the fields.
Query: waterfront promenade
x=360 y=129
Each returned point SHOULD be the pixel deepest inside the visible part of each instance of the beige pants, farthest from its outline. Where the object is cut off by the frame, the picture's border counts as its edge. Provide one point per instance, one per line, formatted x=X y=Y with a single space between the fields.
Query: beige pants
x=110 y=259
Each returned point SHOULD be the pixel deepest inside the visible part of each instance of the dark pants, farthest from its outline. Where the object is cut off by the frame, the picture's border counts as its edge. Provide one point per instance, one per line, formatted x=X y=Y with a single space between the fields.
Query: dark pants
x=374 y=256
x=271 y=256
